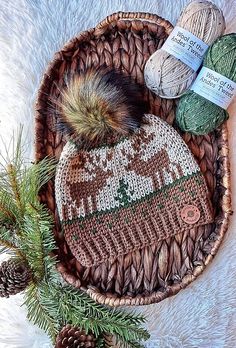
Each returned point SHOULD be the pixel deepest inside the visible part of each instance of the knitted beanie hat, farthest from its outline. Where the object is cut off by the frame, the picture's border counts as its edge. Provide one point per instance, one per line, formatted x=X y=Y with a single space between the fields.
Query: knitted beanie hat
x=117 y=197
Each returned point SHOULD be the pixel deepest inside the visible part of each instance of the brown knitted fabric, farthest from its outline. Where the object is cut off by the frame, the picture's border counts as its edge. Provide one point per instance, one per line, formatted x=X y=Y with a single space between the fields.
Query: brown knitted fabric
x=117 y=198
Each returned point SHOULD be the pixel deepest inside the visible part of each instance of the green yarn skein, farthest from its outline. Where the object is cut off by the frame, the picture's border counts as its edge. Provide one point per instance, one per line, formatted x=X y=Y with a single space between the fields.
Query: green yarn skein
x=196 y=114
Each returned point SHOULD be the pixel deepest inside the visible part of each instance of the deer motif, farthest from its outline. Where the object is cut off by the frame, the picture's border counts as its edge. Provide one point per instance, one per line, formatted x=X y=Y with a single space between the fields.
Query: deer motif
x=97 y=170
x=158 y=167
x=92 y=173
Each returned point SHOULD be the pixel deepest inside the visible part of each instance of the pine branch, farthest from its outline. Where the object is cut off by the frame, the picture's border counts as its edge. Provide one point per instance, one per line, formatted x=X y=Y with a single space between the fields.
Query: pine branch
x=35 y=177
x=7 y=206
x=37 y=241
x=51 y=304
x=14 y=184
x=19 y=187
x=5 y=214
x=68 y=305
x=38 y=312
x=78 y=309
x=20 y=183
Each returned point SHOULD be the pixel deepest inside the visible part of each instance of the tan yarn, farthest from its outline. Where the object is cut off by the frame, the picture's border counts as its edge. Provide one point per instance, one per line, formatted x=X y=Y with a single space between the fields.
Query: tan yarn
x=166 y=75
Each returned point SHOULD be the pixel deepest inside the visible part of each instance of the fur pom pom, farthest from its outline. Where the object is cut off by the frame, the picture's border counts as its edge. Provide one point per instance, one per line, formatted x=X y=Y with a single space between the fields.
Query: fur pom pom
x=99 y=103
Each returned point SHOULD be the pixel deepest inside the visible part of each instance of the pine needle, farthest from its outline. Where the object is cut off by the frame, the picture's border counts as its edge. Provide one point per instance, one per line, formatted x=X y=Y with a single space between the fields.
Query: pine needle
x=26 y=230
x=38 y=312
x=37 y=241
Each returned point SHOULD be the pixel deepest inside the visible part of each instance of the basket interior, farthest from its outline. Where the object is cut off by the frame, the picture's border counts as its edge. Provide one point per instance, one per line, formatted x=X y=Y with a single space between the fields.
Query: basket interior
x=152 y=273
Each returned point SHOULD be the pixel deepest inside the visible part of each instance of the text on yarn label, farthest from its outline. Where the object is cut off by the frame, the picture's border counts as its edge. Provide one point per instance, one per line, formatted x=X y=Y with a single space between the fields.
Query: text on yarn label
x=186 y=47
x=214 y=87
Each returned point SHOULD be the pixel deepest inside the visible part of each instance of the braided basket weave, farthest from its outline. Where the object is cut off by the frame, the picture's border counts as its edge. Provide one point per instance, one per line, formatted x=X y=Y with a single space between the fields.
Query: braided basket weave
x=125 y=41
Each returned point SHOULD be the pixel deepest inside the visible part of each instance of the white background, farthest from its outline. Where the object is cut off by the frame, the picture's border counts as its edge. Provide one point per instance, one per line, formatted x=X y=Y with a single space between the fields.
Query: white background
x=201 y=316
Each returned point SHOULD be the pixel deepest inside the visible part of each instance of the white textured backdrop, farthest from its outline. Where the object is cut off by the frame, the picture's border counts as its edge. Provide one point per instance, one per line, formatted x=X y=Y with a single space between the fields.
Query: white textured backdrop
x=204 y=314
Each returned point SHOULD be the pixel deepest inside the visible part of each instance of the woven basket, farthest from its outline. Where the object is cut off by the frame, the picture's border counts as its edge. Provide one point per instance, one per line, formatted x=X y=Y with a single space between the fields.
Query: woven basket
x=125 y=41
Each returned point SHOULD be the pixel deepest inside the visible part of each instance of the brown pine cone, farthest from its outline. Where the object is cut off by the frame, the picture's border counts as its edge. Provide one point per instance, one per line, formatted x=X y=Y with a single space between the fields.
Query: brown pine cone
x=74 y=337
x=14 y=277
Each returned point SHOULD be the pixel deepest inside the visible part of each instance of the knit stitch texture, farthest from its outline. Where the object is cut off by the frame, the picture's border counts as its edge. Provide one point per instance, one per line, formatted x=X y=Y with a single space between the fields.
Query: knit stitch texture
x=120 y=197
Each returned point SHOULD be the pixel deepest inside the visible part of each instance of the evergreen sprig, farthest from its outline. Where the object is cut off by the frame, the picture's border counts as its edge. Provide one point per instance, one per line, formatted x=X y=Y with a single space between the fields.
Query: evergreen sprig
x=67 y=305
x=20 y=183
x=26 y=230
x=74 y=307
x=37 y=311
x=37 y=242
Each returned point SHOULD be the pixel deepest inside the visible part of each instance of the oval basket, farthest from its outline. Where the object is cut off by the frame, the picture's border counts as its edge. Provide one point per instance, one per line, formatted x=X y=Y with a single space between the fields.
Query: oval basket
x=125 y=41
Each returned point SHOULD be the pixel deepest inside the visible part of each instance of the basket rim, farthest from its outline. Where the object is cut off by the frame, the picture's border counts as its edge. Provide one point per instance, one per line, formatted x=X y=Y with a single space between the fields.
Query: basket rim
x=156 y=296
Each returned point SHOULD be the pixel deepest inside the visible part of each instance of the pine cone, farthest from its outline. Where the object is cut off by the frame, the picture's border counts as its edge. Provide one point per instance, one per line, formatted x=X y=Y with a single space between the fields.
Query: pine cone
x=14 y=277
x=74 y=337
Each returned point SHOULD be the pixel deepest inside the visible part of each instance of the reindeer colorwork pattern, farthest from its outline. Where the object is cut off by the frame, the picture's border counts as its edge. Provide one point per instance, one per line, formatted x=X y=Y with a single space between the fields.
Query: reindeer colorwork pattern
x=116 y=198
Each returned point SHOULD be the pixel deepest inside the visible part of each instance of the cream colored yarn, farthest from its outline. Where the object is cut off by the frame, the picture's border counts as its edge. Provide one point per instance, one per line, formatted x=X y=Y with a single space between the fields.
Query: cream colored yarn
x=166 y=75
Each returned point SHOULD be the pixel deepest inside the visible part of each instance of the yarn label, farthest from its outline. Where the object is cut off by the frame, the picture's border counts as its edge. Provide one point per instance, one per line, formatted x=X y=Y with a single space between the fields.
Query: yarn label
x=186 y=47
x=214 y=87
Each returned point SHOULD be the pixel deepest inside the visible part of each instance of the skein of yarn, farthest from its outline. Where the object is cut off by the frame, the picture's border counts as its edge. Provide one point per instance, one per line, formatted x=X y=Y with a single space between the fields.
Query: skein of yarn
x=197 y=115
x=168 y=76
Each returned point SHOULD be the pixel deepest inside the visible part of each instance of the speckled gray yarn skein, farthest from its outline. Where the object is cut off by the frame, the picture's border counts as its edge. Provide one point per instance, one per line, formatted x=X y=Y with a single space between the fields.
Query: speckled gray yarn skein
x=166 y=75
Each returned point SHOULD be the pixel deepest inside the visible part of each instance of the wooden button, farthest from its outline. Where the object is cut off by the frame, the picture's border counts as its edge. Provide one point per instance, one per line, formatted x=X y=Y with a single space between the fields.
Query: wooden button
x=190 y=214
